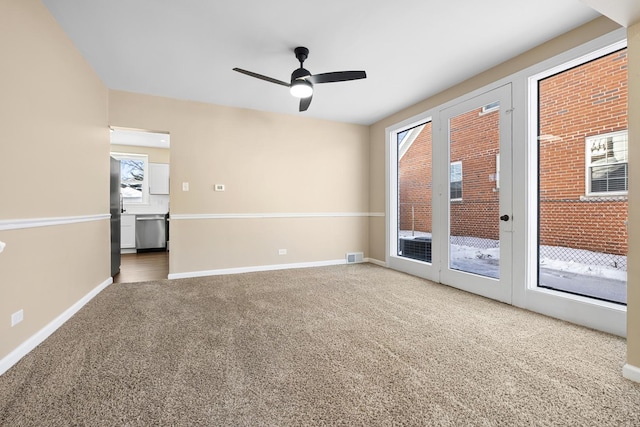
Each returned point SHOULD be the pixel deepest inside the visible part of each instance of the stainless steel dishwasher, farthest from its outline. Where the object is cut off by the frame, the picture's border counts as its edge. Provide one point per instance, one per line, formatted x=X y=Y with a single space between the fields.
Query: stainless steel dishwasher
x=151 y=232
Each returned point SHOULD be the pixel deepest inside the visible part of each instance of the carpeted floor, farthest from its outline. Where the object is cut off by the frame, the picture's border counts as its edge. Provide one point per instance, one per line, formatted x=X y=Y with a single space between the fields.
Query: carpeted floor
x=344 y=345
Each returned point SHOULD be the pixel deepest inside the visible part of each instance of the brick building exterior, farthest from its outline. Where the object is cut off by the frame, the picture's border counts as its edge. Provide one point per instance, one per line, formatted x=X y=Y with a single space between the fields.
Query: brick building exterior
x=475 y=142
x=583 y=102
x=577 y=104
x=414 y=178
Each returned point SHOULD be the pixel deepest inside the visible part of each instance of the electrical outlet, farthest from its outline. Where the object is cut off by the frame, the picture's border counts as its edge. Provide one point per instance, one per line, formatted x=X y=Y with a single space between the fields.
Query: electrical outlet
x=17 y=317
x=282 y=251
x=218 y=187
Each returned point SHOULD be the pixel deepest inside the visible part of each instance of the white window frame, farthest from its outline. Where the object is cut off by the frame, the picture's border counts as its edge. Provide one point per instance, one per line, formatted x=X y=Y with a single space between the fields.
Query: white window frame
x=392 y=157
x=589 y=164
x=144 y=200
x=602 y=315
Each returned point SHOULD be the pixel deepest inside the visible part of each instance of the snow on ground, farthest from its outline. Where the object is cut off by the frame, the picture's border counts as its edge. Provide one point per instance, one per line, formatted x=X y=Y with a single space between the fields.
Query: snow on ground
x=552 y=257
x=583 y=269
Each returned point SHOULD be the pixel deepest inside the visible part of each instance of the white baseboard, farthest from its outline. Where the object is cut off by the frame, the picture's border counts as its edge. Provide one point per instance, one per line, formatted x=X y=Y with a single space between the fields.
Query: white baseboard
x=631 y=372
x=376 y=262
x=32 y=342
x=253 y=269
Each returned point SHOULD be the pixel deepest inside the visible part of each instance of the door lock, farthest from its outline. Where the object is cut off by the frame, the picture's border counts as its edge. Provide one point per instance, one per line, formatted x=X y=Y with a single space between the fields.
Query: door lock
x=504 y=218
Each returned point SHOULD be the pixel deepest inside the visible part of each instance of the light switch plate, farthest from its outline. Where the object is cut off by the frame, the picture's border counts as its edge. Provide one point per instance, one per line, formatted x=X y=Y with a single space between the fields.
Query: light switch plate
x=185 y=186
x=218 y=187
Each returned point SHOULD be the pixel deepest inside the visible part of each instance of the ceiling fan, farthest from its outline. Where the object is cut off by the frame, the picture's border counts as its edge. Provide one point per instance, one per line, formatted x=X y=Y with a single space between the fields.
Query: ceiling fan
x=302 y=81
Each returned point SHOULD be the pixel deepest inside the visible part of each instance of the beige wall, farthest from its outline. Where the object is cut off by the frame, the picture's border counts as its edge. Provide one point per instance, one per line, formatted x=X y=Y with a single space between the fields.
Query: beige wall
x=633 y=280
x=270 y=164
x=54 y=153
x=156 y=155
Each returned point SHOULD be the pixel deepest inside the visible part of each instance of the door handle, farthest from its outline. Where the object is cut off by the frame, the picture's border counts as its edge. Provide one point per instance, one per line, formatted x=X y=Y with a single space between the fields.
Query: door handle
x=504 y=218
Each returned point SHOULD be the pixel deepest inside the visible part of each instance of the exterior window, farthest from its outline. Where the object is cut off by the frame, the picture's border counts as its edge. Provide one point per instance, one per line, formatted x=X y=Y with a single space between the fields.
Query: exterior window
x=455 y=181
x=586 y=237
x=607 y=163
x=133 y=177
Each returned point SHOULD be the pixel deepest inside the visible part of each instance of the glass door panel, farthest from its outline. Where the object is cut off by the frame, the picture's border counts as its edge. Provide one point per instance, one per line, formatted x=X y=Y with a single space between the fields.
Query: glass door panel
x=474 y=196
x=478 y=194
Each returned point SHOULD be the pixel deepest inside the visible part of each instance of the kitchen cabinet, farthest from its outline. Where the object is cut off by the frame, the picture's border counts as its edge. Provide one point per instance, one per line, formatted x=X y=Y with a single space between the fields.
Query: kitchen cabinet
x=127 y=231
x=158 y=178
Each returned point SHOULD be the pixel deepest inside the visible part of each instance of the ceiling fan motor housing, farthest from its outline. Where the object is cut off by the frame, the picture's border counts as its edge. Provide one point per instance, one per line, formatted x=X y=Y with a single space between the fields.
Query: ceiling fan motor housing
x=300 y=74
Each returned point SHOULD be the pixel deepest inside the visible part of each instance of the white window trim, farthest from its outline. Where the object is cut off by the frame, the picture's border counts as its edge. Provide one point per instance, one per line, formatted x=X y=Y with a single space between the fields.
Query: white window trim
x=587 y=165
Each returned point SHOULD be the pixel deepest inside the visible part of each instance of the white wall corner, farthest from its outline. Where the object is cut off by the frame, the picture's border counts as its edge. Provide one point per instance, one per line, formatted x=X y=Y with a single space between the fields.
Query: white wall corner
x=631 y=373
x=624 y=12
x=376 y=262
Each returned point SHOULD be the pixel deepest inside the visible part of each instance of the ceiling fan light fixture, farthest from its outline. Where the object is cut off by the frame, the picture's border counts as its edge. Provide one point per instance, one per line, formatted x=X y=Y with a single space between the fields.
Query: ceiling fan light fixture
x=302 y=81
x=301 y=89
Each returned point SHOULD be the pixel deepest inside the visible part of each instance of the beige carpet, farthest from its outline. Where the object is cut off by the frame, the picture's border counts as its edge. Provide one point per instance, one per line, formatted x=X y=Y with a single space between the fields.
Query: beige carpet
x=344 y=345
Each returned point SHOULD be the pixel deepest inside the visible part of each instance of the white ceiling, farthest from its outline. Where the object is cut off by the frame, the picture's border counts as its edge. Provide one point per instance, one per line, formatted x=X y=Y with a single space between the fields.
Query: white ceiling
x=624 y=12
x=410 y=49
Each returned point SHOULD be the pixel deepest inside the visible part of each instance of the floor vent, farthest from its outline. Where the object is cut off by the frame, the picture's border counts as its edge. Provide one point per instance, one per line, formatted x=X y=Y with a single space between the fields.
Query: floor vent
x=354 y=257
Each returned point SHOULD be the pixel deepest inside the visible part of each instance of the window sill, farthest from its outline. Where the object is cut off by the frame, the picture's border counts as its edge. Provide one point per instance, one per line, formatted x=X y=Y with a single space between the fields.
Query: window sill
x=609 y=197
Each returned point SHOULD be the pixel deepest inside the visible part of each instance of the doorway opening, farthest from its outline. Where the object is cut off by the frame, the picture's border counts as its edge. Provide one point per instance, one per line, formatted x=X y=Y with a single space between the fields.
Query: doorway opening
x=144 y=194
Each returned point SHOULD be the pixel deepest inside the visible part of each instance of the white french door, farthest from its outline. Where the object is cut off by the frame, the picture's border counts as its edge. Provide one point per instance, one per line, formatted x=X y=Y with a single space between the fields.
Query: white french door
x=475 y=202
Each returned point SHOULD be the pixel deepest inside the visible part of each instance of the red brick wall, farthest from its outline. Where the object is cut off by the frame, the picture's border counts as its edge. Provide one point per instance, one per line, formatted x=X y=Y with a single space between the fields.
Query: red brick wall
x=475 y=141
x=414 y=178
x=588 y=100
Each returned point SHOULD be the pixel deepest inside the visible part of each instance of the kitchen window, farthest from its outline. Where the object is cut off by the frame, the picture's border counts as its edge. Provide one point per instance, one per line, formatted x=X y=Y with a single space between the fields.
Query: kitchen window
x=134 y=168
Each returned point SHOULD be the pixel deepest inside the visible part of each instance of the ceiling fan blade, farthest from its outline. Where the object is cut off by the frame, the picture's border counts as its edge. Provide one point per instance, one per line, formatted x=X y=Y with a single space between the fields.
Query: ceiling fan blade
x=261 y=77
x=337 y=76
x=304 y=103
